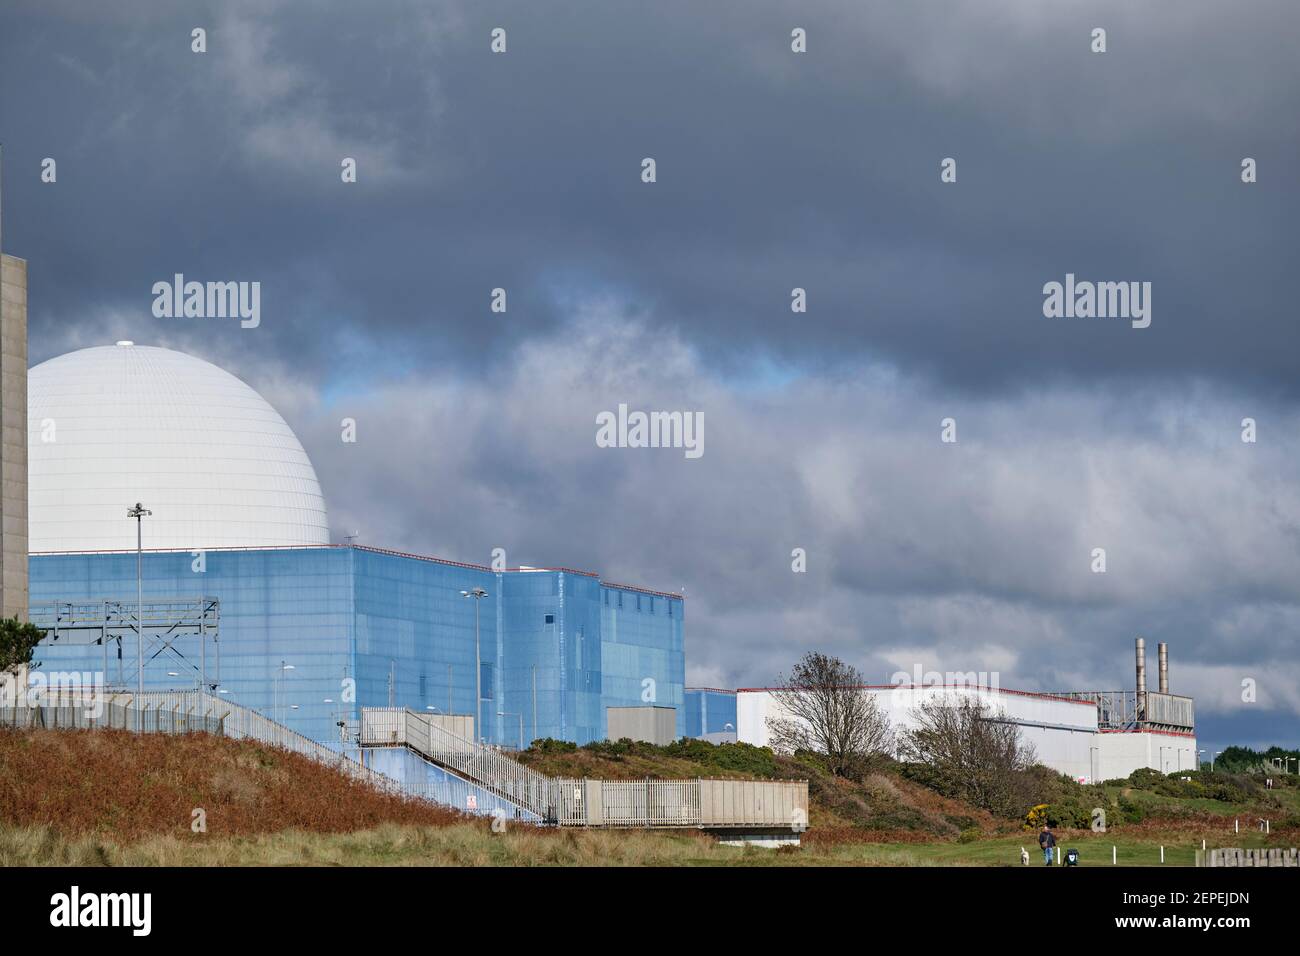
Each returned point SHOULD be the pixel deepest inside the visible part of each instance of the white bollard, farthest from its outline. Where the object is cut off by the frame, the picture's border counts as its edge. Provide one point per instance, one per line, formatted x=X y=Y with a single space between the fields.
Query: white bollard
x=1162 y=854
x=1113 y=856
x=1058 y=856
x=1236 y=826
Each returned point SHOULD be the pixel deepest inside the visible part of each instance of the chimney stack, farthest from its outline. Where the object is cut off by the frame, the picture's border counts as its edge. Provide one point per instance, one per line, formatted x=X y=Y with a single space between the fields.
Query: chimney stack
x=1140 y=709
x=1163 y=650
x=1141 y=666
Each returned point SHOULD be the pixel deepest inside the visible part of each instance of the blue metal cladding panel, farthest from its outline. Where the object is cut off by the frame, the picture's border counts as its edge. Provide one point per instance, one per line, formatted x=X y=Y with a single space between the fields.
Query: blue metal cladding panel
x=551 y=626
x=292 y=606
x=413 y=621
x=355 y=627
x=414 y=627
x=643 y=659
x=709 y=711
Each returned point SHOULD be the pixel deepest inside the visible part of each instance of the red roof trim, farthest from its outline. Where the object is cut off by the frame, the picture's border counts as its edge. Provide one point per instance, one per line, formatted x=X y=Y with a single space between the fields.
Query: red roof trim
x=1163 y=733
x=633 y=587
x=994 y=690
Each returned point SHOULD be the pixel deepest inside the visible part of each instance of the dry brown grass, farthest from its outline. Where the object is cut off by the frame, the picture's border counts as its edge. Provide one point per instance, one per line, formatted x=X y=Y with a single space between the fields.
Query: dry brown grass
x=122 y=786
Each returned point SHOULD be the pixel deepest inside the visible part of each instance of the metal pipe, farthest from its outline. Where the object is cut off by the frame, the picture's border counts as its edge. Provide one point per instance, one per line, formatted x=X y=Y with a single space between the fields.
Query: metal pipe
x=1141 y=708
x=1141 y=666
x=1162 y=649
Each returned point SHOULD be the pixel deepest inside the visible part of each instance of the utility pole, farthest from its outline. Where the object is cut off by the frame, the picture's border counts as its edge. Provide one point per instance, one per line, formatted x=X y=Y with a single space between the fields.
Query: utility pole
x=478 y=594
x=139 y=513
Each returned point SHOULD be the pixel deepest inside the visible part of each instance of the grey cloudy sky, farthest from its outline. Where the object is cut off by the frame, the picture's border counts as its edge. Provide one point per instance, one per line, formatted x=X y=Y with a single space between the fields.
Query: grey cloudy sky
x=775 y=170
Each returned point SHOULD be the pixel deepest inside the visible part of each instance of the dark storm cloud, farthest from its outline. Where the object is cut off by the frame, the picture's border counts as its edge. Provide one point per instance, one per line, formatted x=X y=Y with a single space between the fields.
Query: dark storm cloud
x=775 y=170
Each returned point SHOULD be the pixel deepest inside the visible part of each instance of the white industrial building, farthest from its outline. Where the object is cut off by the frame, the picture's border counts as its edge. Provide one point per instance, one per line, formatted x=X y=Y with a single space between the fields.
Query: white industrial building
x=1090 y=735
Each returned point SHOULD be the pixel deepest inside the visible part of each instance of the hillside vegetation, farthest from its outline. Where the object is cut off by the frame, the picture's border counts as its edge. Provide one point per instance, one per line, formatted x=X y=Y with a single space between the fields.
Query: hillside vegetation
x=126 y=786
x=115 y=798
x=908 y=802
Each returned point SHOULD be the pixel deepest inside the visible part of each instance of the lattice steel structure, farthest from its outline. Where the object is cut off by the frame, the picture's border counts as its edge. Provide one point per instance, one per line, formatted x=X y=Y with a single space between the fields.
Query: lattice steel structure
x=1138 y=710
x=184 y=633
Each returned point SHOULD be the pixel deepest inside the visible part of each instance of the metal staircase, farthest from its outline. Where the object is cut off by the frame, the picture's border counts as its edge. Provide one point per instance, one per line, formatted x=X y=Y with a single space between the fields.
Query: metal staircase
x=746 y=805
x=485 y=766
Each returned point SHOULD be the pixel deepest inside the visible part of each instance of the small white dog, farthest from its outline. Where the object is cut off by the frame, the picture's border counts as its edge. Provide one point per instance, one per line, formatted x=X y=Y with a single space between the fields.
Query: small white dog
x=1024 y=857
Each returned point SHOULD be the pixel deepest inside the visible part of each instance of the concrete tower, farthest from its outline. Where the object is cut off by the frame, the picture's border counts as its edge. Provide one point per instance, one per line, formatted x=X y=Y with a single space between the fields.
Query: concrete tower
x=13 y=433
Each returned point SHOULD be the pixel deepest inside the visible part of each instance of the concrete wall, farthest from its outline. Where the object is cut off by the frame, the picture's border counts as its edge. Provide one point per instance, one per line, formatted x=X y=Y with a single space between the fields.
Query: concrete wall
x=654 y=725
x=1123 y=752
x=13 y=437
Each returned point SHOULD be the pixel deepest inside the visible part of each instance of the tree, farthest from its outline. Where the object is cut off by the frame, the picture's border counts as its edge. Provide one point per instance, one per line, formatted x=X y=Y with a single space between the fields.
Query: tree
x=825 y=708
x=18 y=639
x=981 y=755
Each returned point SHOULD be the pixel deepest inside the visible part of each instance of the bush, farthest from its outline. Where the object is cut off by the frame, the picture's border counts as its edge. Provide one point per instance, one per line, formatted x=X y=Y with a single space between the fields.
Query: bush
x=549 y=745
x=1128 y=811
x=970 y=835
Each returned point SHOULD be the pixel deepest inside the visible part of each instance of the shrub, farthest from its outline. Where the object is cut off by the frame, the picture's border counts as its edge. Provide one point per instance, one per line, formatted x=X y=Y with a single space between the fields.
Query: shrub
x=549 y=745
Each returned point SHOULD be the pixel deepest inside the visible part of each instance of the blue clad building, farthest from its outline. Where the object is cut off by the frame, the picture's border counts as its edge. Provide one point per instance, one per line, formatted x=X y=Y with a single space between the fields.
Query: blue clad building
x=308 y=635
x=709 y=710
x=306 y=631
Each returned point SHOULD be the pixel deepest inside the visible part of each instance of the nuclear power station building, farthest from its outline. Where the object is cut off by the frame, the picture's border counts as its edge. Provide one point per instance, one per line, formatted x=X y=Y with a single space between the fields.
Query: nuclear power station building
x=179 y=539
x=241 y=591
x=1091 y=736
x=237 y=589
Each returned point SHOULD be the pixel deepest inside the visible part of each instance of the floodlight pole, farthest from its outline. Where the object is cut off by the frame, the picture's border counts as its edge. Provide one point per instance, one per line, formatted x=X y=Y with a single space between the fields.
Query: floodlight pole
x=139 y=512
x=477 y=594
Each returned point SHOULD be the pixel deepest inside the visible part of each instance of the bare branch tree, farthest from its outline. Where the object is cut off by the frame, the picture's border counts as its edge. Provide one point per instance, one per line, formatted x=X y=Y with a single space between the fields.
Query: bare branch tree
x=982 y=753
x=824 y=707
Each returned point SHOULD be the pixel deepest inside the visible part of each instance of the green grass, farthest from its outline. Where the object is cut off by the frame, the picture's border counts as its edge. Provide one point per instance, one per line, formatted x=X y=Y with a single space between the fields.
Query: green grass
x=474 y=844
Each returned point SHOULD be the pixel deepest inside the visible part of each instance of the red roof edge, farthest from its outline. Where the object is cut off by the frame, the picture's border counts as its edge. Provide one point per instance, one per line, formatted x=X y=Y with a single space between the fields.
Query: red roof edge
x=995 y=690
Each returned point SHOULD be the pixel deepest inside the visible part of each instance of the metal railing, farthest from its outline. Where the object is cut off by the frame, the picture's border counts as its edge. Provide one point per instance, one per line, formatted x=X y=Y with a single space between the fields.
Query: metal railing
x=106 y=713
x=478 y=778
x=179 y=712
x=563 y=801
x=485 y=766
x=656 y=803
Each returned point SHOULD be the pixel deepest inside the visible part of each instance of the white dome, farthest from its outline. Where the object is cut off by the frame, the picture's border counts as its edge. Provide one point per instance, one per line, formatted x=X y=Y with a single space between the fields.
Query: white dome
x=215 y=463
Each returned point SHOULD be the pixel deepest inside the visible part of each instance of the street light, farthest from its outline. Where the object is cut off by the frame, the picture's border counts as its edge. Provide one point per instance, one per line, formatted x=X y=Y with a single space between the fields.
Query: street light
x=477 y=594
x=504 y=713
x=1212 y=756
x=139 y=513
x=277 y=705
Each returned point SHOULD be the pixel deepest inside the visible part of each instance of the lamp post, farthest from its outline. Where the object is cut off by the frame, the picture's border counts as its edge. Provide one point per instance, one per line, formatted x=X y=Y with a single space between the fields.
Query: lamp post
x=139 y=513
x=278 y=705
x=503 y=713
x=477 y=594
x=1212 y=756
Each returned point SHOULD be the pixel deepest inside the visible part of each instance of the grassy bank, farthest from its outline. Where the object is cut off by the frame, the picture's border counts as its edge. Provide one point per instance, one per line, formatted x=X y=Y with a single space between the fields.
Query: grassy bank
x=474 y=844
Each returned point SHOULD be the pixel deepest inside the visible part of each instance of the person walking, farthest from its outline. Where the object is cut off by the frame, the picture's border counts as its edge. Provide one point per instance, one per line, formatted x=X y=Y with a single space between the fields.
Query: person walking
x=1048 y=843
